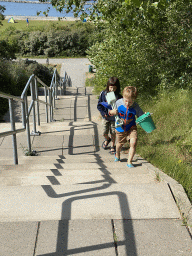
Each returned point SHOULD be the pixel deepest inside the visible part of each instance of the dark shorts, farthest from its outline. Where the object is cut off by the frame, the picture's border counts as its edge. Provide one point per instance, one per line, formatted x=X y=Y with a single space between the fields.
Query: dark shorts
x=108 y=126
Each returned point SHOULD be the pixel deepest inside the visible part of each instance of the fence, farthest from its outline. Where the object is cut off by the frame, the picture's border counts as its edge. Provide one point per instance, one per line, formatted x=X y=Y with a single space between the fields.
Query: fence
x=31 y=89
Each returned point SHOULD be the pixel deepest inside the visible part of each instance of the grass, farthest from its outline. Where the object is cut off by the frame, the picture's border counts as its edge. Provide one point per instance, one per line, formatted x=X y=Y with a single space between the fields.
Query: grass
x=89 y=79
x=169 y=147
x=57 y=66
x=36 y=25
x=26 y=151
x=157 y=177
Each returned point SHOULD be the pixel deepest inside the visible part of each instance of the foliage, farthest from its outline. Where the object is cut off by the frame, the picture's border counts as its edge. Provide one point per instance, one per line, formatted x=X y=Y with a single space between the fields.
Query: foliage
x=146 y=43
x=55 y=40
x=7 y=51
x=2 y=17
x=14 y=76
x=5 y=82
x=148 y=49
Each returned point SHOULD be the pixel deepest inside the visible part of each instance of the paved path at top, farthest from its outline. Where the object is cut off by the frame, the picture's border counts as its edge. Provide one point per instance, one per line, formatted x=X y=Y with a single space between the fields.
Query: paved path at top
x=76 y=68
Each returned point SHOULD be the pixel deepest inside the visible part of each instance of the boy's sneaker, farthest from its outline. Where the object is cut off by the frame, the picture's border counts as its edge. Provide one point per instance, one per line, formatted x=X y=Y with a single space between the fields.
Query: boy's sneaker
x=117 y=159
x=130 y=166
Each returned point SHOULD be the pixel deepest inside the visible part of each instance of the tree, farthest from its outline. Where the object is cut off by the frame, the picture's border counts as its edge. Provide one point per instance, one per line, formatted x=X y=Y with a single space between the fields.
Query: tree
x=2 y=17
x=146 y=43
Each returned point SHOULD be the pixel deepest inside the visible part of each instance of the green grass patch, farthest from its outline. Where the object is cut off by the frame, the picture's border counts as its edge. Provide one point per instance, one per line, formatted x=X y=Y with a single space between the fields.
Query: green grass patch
x=89 y=79
x=36 y=25
x=169 y=147
x=56 y=66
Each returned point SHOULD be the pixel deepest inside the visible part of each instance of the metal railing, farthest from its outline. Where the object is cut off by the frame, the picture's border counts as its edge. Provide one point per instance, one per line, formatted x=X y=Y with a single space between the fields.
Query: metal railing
x=31 y=88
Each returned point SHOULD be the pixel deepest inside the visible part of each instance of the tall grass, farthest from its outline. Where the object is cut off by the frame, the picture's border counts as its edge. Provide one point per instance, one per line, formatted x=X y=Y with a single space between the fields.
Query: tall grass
x=169 y=147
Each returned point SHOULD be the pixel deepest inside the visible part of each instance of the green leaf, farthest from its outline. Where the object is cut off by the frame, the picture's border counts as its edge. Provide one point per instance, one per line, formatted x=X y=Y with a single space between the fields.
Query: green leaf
x=137 y=2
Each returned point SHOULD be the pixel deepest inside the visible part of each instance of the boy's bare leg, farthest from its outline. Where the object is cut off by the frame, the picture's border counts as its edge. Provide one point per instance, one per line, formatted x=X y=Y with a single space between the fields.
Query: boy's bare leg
x=132 y=149
x=118 y=150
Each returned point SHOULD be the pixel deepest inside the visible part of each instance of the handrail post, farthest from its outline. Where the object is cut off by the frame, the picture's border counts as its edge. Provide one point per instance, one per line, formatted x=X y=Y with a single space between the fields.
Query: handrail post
x=27 y=123
x=50 y=106
x=23 y=114
x=12 y=119
x=37 y=102
x=46 y=107
x=33 y=102
x=56 y=85
x=34 y=132
x=53 y=103
x=65 y=79
x=53 y=95
x=61 y=85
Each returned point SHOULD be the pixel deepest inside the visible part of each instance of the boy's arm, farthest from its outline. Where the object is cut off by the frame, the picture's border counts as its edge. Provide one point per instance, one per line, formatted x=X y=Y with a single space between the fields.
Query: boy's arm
x=139 y=111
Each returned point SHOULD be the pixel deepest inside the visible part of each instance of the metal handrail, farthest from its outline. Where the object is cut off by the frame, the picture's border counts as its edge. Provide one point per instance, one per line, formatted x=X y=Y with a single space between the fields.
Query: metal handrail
x=8 y=96
x=50 y=97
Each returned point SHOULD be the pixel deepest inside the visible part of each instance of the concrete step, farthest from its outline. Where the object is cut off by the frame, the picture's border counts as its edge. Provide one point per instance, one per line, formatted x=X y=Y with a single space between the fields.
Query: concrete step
x=65 y=171
x=48 y=178
x=87 y=158
x=70 y=166
x=28 y=170
x=93 y=201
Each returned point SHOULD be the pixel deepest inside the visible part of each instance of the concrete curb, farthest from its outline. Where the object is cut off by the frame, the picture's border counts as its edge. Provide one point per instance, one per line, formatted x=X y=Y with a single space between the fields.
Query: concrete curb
x=177 y=191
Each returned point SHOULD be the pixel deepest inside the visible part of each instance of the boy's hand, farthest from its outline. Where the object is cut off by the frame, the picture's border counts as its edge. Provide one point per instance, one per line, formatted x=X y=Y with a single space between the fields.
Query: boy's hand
x=113 y=112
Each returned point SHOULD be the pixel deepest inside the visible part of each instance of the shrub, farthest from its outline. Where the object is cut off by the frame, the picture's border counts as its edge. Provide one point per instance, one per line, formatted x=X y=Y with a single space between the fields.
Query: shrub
x=53 y=40
x=14 y=76
x=2 y=9
x=6 y=50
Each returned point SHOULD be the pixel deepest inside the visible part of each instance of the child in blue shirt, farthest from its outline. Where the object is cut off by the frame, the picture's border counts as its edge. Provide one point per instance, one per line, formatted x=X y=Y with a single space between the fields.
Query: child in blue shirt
x=127 y=109
x=113 y=85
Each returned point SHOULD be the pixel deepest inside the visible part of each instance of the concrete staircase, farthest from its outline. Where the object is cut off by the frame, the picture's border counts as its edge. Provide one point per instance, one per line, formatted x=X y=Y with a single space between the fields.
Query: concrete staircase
x=76 y=199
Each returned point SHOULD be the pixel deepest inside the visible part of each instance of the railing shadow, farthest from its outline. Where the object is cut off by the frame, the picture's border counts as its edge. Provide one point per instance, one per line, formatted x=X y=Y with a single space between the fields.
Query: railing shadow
x=82 y=194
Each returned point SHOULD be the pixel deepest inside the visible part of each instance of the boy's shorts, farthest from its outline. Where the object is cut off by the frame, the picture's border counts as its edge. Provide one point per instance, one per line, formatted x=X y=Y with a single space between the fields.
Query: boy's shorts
x=108 y=126
x=122 y=137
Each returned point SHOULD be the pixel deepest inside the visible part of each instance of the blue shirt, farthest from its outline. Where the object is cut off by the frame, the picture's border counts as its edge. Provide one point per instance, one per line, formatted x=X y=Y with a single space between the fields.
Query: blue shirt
x=127 y=113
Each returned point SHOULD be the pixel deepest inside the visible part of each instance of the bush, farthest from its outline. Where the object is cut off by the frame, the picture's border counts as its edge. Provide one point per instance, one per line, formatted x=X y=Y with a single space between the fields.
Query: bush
x=54 y=40
x=2 y=17
x=6 y=50
x=14 y=76
x=44 y=73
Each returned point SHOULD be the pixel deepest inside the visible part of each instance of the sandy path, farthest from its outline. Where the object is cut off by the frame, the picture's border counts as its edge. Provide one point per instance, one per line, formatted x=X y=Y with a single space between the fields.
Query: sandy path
x=40 y=18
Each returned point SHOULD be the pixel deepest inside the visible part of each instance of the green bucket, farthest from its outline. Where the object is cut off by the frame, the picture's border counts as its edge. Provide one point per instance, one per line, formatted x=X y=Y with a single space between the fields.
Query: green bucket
x=146 y=122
